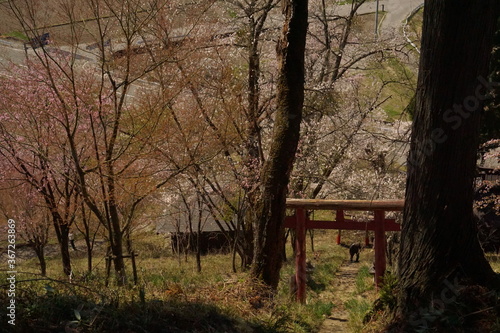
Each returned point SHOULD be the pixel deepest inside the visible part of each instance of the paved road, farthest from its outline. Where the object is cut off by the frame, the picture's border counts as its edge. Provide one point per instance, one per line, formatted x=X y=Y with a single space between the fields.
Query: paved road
x=10 y=51
x=397 y=11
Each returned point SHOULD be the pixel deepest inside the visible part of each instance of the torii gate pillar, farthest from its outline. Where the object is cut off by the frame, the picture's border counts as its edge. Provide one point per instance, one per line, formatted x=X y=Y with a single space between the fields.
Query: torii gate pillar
x=380 y=262
x=300 y=255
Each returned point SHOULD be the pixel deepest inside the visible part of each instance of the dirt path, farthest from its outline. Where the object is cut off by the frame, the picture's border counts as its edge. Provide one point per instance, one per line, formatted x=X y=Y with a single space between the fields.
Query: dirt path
x=345 y=285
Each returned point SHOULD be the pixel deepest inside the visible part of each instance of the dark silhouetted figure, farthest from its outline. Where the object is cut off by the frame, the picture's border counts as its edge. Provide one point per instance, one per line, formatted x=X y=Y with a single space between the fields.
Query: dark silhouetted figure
x=354 y=249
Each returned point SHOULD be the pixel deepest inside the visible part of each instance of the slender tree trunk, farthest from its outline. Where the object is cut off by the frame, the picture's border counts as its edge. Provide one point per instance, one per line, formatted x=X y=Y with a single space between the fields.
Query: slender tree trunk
x=89 y=254
x=198 y=232
x=118 y=260
x=198 y=243
x=64 y=244
x=117 y=232
x=40 y=253
x=62 y=233
x=439 y=245
x=117 y=251
x=89 y=241
x=270 y=210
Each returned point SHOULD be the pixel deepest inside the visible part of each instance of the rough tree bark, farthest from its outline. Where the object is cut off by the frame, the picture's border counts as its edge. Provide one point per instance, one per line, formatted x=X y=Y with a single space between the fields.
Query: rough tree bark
x=440 y=251
x=270 y=211
x=490 y=122
x=254 y=156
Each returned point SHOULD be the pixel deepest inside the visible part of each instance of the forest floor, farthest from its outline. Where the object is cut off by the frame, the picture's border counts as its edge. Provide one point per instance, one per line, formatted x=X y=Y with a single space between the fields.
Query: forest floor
x=339 y=294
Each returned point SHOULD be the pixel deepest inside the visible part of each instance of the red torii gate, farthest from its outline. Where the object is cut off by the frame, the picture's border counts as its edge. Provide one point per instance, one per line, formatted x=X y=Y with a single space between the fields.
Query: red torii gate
x=301 y=223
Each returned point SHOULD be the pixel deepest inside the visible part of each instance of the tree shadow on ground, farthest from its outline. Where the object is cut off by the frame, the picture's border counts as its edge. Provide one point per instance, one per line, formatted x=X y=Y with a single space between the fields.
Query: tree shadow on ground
x=76 y=313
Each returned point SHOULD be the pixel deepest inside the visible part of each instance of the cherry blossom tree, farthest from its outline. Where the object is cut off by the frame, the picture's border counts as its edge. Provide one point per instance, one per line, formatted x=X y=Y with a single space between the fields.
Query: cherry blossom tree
x=341 y=114
x=137 y=92
x=36 y=151
x=220 y=86
x=24 y=204
x=110 y=132
x=33 y=223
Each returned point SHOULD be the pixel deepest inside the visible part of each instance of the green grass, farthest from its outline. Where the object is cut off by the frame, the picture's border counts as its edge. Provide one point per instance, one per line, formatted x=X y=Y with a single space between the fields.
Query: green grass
x=17 y=35
x=326 y=261
x=359 y=304
x=215 y=300
x=358 y=308
x=415 y=26
x=171 y=292
x=400 y=85
x=168 y=298
x=54 y=305
x=399 y=77
x=416 y=21
x=364 y=280
x=494 y=260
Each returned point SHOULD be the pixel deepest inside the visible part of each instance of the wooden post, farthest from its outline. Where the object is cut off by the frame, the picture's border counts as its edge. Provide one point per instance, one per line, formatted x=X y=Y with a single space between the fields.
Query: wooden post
x=300 y=255
x=134 y=267
x=379 y=246
x=339 y=236
x=109 y=258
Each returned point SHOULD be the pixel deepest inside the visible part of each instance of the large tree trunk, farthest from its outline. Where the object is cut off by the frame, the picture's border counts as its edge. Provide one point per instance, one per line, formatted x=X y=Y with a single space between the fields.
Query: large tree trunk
x=40 y=253
x=254 y=156
x=117 y=250
x=439 y=245
x=64 y=244
x=270 y=210
x=490 y=122
x=62 y=232
x=116 y=227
